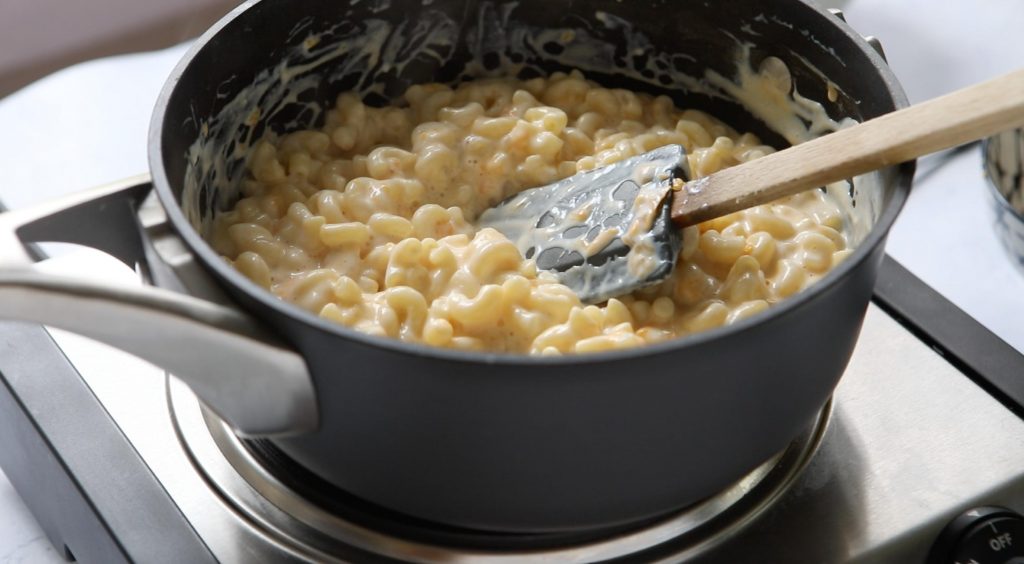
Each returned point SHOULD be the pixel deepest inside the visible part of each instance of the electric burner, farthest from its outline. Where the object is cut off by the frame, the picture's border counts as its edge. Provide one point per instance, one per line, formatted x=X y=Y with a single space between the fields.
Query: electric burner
x=321 y=520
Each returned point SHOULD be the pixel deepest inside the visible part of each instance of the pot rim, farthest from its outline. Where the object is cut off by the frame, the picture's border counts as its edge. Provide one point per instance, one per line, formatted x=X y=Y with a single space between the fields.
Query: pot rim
x=212 y=261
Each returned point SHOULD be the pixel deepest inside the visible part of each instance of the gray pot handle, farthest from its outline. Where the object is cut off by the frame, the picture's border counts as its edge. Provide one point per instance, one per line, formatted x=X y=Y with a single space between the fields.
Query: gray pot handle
x=252 y=380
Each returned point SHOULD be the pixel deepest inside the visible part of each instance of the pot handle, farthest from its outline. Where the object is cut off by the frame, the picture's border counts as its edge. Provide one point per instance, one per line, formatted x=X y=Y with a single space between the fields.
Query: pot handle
x=251 y=379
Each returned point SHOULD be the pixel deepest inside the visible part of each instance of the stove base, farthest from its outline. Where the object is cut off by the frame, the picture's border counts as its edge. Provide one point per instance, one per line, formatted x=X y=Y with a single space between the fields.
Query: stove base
x=92 y=494
x=93 y=448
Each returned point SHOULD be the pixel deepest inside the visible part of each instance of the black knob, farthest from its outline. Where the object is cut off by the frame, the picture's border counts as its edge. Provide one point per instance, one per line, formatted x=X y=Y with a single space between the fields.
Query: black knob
x=983 y=535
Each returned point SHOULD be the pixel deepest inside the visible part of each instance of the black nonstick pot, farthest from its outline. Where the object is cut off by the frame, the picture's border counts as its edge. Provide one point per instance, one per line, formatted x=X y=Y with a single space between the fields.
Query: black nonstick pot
x=474 y=440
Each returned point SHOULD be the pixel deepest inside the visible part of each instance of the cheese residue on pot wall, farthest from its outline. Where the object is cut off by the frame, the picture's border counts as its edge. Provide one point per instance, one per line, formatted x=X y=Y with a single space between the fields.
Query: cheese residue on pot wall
x=369 y=220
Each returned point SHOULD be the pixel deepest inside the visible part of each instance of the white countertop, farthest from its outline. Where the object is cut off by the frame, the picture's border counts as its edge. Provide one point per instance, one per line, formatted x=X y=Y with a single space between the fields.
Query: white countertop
x=87 y=125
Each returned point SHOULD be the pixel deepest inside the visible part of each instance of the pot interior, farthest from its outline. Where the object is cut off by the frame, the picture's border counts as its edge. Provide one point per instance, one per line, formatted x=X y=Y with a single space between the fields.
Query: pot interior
x=275 y=65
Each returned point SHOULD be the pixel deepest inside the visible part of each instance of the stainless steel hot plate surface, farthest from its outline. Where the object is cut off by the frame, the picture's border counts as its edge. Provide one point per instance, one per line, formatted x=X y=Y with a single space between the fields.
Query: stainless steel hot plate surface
x=910 y=442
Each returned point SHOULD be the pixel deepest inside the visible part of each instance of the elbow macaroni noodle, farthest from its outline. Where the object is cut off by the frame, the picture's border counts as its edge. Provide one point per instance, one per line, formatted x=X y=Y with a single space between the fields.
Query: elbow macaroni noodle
x=369 y=222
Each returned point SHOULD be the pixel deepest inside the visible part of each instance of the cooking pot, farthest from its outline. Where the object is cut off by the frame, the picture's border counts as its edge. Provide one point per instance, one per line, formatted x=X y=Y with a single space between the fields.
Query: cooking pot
x=476 y=440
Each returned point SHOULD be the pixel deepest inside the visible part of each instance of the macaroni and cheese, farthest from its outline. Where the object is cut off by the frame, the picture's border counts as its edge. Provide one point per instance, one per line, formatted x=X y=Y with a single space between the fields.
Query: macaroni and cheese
x=369 y=221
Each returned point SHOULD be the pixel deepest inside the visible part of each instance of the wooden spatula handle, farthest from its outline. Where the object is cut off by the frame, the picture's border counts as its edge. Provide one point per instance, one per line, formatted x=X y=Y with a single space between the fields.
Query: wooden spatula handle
x=956 y=118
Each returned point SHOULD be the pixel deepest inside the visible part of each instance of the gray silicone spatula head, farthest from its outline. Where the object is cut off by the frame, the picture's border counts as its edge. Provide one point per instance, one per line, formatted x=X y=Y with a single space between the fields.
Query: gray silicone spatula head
x=604 y=232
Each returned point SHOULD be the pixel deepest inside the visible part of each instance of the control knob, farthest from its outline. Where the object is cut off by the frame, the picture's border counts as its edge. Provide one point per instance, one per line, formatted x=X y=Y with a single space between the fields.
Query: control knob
x=983 y=535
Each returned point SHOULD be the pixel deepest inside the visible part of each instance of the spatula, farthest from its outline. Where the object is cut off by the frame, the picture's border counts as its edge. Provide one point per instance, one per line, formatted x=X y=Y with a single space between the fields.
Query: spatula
x=609 y=231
